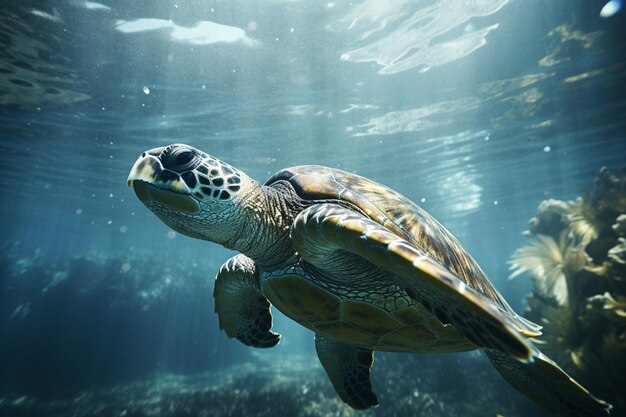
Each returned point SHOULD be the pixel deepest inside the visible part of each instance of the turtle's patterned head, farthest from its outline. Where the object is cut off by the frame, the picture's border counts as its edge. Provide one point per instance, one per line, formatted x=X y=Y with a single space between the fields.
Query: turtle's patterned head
x=192 y=192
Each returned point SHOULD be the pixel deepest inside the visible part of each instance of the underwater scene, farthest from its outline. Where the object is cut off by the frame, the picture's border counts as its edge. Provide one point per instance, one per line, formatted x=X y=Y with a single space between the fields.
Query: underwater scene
x=313 y=209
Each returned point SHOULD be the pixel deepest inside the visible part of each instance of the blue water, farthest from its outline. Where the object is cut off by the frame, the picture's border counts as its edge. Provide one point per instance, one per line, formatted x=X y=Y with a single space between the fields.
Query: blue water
x=476 y=110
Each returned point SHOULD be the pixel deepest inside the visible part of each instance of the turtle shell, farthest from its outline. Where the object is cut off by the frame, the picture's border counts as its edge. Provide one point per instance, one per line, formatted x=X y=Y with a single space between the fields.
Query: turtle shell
x=401 y=216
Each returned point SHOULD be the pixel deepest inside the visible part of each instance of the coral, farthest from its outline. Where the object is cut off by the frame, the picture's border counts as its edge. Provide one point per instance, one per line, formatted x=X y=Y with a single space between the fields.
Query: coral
x=610 y=194
x=579 y=218
x=620 y=226
x=551 y=218
x=583 y=220
x=617 y=307
x=548 y=261
x=615 y=263
x=578 y=265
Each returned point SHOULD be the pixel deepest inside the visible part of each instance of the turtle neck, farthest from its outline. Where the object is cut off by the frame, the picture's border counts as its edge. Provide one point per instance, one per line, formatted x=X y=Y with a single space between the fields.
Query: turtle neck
x=268 y=213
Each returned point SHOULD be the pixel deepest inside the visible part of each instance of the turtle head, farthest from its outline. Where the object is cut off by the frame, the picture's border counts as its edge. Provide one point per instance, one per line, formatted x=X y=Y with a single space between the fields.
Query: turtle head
x=192 y=192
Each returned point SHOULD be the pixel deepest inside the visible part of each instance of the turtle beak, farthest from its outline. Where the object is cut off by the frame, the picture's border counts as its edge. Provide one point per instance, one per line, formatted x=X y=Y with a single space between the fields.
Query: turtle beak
x=144 y=169
x=147 y=167
x=152 y=183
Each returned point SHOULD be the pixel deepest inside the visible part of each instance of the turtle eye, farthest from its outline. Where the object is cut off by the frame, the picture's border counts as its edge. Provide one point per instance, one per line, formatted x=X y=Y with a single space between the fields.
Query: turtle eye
x=183 y=157
x=179 y=159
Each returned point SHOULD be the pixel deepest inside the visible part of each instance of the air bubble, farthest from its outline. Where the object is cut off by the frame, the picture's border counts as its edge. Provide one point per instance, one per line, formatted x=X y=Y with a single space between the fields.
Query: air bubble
x=146 y=90
x=611 y=8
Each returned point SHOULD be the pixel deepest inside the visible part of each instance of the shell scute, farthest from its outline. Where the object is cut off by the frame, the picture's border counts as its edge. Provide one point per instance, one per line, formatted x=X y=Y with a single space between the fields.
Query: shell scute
x=408 y=336
x=364 y=315
x=407 y=315
x=301 y=300
x=340 y=330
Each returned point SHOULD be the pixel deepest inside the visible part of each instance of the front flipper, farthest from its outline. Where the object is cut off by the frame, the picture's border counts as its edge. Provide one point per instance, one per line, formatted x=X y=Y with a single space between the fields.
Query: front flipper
x=544 y=382
x=244 y=313
x=324 y=229
x=348 y=368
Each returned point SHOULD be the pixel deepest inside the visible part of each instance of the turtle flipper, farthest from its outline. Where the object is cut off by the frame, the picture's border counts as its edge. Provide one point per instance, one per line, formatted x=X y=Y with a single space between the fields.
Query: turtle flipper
x=348 y=368
x=546 y=383
x=323 y=229
x=244 y=313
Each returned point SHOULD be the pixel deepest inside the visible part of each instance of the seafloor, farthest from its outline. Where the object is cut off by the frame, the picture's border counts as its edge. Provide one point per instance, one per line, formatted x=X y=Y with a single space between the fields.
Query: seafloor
x=297 y=387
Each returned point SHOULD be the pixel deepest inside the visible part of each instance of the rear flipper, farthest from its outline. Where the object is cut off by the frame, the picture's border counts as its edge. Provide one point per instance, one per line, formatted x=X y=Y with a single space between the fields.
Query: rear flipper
x=348 y=368
x=243 y=311
x=547 y=384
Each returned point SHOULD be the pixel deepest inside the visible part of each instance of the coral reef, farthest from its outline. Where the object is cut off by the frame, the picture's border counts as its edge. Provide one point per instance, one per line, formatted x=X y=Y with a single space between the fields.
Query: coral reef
x=577 y=261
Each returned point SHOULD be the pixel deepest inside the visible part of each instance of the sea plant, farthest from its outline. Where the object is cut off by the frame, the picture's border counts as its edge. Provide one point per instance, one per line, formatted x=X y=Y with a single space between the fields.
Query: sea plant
x=577 y=261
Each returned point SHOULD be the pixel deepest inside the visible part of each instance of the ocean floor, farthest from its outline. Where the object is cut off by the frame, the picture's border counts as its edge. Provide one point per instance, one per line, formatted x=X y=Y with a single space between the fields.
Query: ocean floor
x=298 y=387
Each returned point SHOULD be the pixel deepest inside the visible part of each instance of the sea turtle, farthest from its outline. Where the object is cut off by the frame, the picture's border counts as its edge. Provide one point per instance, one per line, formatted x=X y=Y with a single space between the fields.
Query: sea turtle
x=359 y=264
